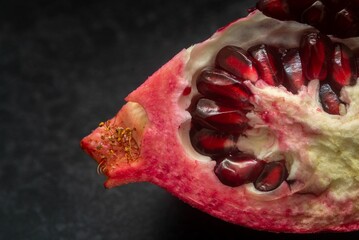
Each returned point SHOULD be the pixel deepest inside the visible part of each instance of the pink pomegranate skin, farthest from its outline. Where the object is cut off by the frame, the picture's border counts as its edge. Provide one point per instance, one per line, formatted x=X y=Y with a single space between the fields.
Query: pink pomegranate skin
x=162 y=160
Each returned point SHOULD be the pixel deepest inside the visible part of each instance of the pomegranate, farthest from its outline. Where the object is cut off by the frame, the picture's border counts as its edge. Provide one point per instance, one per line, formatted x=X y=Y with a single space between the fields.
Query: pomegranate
x=258 y=125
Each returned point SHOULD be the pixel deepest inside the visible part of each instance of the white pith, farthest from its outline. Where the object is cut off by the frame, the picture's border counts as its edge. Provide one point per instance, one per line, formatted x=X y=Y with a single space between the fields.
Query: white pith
x=321 y=150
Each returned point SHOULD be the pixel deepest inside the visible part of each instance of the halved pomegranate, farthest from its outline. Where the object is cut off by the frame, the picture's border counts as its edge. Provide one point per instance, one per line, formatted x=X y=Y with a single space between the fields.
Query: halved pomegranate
x=258 y=125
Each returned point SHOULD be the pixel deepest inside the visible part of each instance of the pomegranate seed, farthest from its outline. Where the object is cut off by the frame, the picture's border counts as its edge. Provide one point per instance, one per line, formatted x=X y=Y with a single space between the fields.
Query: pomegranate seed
x=315 y=50
x=269 y=66
x=272 y=176
x=275 y=8
x=329 y=99
x=212 y=143
x=293 y=69
x=238 y=62
x=315 y=15
x=222 y=87
x=241 y=170
x=218 y=117
x=346 y=24
x=344 y=69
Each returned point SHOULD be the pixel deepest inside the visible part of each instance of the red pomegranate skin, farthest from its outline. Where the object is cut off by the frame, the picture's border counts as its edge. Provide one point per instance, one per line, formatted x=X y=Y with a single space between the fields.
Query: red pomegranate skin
x=161 y=159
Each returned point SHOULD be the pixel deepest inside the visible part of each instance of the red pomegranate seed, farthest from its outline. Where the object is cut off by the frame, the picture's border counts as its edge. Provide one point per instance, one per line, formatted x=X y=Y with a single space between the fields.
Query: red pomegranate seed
x=238 y=62
x=275 y=8
x=315 y=15
x=219 y=117
x=315 y=51
x=222 y=87
x=235 y=172
x=344 y=69
x=346 y=24
x=212 y=143
x=330 y=101
x=268 y=62
x=272 y=176
x=293 y=69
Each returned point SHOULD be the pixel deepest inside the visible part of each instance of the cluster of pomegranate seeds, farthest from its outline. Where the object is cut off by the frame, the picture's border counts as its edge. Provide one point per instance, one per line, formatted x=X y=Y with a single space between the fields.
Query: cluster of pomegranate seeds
x=339 y=18
x=219 y=111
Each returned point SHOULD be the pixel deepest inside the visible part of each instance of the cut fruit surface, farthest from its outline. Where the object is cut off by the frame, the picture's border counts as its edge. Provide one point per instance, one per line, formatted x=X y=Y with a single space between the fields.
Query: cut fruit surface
x=258 y=126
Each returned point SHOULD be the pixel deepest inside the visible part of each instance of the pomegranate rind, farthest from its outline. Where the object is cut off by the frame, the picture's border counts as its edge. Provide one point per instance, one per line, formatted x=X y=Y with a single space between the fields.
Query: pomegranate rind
x=159 y=157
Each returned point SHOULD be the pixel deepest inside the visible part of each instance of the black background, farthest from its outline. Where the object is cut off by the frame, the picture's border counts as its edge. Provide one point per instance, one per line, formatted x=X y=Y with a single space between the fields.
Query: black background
x=64 y=67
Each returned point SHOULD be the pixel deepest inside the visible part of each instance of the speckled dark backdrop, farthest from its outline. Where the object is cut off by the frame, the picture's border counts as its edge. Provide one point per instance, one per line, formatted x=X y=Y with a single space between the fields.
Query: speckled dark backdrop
x=64 y=67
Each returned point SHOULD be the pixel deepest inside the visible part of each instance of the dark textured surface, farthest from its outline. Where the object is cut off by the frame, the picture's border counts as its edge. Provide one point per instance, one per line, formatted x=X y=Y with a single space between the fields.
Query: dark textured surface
x=64 y=67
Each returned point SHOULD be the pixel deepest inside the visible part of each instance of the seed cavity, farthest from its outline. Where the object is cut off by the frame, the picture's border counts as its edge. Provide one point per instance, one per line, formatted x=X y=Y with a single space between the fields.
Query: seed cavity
x=219 y=111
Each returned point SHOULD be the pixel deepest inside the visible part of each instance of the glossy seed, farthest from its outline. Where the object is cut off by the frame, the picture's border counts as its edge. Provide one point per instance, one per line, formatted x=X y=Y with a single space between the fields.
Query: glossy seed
x=224 y=88
x=236 y=171
x=268 y=62
x=237 y=62
x=329 y=99
x=271 y=177
x=315 y=52
x=316 y=15
x=218 y=117
x=212 y=143
x=293 y=70
x=275 y=8
x=344 y=67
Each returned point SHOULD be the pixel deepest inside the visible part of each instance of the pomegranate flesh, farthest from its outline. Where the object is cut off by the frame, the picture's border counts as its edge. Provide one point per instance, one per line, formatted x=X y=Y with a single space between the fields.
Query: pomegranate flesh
x=258 y=125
